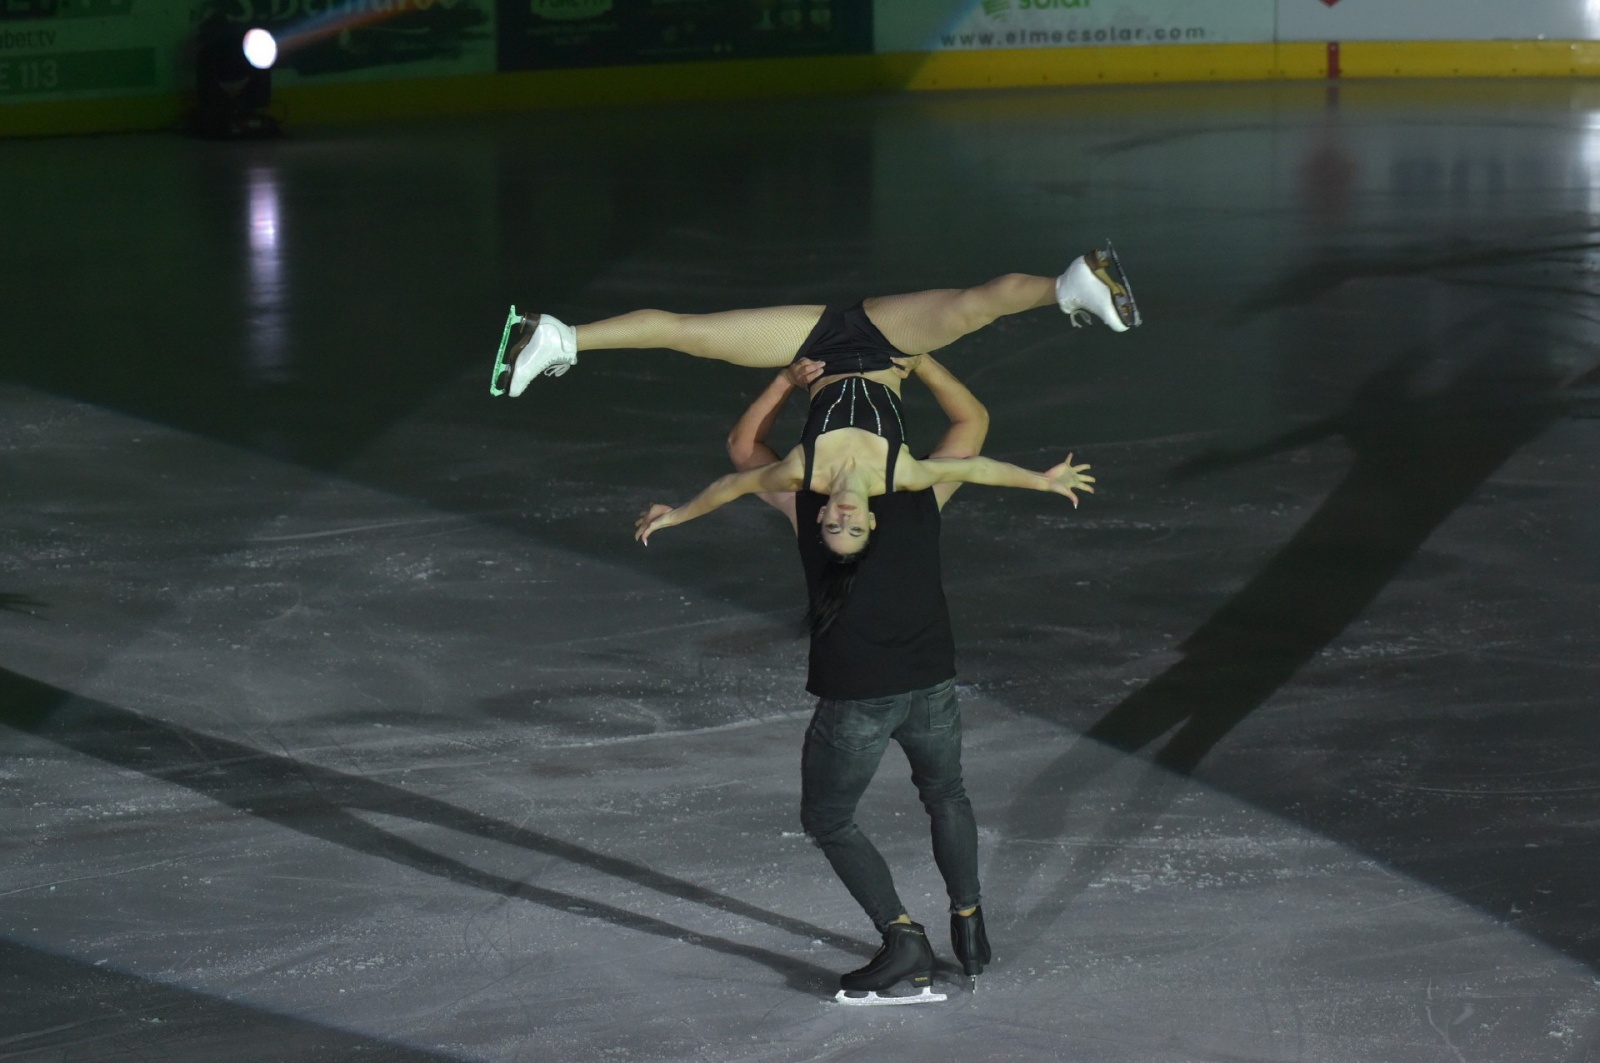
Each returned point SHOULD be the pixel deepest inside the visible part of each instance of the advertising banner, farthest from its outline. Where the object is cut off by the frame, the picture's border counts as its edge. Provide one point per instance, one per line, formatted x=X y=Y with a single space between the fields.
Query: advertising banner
x=549 y=34
x=1438 y=20
x=72 y=49
x=358 y=40
x=940 y=25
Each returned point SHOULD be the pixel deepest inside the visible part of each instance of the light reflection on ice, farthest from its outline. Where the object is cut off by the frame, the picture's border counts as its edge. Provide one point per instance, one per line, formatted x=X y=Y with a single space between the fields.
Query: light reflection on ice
x=269 y=353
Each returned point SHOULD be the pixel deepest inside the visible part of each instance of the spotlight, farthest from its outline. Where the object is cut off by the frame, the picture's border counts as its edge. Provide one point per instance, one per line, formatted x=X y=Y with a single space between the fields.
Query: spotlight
x=260 y=48
x=233 y=81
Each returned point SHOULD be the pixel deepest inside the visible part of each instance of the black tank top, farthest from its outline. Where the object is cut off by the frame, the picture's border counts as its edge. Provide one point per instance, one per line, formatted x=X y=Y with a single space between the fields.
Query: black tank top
x=893 y=634
x=855 y=402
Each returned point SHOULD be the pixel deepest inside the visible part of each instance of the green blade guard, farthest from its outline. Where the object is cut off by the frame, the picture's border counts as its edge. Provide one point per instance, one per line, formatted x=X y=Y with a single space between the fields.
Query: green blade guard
x=500 y=365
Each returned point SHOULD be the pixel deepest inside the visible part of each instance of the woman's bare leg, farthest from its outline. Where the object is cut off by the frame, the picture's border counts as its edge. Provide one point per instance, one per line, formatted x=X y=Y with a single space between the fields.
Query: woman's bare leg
x=925 y=321
x=767 y=337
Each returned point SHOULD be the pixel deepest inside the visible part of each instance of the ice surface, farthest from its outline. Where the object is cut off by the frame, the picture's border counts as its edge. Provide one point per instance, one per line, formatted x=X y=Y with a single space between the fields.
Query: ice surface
x=345 y=720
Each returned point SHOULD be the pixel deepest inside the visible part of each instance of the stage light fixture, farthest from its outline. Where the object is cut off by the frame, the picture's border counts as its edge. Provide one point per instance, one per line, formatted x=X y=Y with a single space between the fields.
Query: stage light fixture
x=233 y=81
x=260 y=48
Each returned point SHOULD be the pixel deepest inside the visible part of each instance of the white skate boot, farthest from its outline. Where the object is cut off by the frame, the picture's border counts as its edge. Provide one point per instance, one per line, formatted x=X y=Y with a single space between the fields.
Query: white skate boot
x=1096 y=285
x=543 y=345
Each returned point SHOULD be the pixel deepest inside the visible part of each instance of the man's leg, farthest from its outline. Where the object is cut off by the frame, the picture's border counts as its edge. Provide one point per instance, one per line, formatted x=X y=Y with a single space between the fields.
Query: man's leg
x=843 y=748
x=931 y=738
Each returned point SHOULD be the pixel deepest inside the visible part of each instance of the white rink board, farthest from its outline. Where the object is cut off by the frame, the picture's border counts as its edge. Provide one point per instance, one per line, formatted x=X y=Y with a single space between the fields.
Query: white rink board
x=1439 y=20
x=938 y=25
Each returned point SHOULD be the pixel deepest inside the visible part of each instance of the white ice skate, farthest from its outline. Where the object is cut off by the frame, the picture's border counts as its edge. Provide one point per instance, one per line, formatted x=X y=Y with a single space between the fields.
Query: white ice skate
x=873 y=999
x=1095 y=284
x=543 y=345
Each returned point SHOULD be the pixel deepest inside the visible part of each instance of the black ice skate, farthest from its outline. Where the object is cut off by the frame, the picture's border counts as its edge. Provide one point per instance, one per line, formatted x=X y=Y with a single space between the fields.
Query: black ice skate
x=971 y=943
x=1096 y=286
x=904 y=963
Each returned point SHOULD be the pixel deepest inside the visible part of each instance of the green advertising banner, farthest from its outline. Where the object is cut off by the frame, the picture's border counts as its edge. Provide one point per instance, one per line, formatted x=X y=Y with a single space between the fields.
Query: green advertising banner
x=357 y=40
x=969 y=25
x=549 y=34
x=75 y=49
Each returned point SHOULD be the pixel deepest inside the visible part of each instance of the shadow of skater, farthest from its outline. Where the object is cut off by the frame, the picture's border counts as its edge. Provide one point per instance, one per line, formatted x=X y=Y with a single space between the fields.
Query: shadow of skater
x=321 y=803
x=1454 y=258
x=19 y=603
x=1418 y=455
x=57 y=1007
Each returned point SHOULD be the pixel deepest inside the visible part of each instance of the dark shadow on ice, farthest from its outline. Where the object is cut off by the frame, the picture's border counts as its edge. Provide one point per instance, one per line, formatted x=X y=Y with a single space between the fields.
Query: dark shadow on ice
x=19 y=603
x=323 y=803
x=1584 y=395
x=1417 y=456
x=62 y=1008
x=1320 y=277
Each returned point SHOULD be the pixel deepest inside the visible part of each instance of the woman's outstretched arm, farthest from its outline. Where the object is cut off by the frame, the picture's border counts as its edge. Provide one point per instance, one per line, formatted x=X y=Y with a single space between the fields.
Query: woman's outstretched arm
x=779 y=476
x=1064 y=479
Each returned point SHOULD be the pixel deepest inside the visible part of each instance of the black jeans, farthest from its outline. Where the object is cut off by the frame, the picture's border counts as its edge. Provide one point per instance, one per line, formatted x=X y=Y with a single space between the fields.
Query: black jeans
x=844 y=744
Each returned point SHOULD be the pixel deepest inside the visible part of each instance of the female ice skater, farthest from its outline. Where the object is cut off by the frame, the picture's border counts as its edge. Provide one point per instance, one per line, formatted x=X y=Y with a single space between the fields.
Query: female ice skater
x=852 y=447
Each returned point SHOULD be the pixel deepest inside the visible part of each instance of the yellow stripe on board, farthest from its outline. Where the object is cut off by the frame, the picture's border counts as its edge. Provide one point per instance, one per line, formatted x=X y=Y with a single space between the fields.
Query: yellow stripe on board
x=838 y=75
x=59 y=117
x=1251 y=62
x=1121 y=65
x=1469 y=59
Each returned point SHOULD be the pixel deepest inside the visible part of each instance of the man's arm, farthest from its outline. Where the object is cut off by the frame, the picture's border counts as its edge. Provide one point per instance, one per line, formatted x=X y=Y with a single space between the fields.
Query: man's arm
x=969 y=420
x=747 y=439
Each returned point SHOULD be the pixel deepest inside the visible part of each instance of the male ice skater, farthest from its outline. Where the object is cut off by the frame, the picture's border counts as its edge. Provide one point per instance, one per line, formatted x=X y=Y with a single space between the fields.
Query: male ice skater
x=883 y=667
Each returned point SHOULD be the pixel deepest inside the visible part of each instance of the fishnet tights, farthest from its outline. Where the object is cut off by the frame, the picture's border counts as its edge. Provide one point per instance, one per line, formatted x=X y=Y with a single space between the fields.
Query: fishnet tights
x=915 y=323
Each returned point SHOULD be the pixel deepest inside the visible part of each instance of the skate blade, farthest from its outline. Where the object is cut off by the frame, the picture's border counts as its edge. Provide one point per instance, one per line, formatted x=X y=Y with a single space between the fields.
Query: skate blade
x=871 y=999
x=501 y=367
x=1109 y=269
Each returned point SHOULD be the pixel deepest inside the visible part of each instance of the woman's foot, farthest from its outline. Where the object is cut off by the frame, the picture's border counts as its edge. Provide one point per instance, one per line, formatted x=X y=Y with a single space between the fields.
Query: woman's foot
x=1095 y=284
x=543 y=345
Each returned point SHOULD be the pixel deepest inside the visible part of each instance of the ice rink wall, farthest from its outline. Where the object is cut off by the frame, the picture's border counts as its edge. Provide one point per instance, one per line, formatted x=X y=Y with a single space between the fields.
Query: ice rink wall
x=74 y=66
